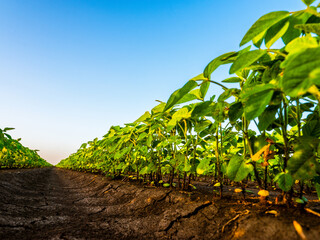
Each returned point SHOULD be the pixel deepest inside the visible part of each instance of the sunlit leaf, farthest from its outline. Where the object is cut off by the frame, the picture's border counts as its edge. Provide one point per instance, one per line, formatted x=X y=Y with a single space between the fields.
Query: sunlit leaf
x=215 y=63
x=263 y=24
x=284 y=180
x=246 y=59
x=296 y=77
x=178 y=94
x=237 y=169
x=276 y=32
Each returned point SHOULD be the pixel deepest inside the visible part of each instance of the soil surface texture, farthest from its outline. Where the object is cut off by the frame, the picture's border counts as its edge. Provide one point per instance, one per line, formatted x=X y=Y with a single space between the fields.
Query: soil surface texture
x=54 y=203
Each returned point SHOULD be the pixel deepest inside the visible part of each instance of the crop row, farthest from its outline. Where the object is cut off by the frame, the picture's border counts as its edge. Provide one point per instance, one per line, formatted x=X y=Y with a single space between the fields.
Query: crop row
x=14 y=155
x=264 y=128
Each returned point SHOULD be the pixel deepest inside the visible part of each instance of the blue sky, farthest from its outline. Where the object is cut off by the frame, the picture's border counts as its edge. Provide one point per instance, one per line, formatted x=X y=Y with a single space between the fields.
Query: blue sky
x=71 y=69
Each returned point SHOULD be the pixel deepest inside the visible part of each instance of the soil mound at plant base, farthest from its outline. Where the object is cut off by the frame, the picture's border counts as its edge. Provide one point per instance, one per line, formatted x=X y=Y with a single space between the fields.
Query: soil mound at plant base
x=54 y=203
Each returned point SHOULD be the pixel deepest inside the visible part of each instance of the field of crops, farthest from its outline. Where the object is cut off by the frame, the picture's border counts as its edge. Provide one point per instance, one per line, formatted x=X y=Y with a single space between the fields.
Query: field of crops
x=264 y=127
x=241 y=165
x=14 y=155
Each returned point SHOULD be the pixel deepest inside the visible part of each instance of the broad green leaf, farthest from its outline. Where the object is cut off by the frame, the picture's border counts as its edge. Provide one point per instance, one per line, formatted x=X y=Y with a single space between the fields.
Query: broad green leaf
x=308 y=2
x=256 y=103
x=276 y=32
x=142 y=136
x=204 y=89
x=180 y=93
x=182 y=113
x=149 y=140
x=203 y=166
x=257 y=40
x=237 y=169
x=228 y=93
x=303 y=164
x=215 y=63
x=284 y=180
x=202 y=125
x=187 y=166
x=263 y=24
x=310 y=28
x=188 y=97
x=295 y=19
x=159 y=108
x=296 y=77
x=144 y=117
x=300 y=44
x=311 y=129
x=197 y=93
x=246 y=59
x=202 y=109
x=235 y=111
x=267 y=117
x=232 y=80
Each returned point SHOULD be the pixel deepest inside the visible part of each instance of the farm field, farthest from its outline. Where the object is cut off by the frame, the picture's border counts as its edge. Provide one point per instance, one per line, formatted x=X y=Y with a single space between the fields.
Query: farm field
x=52 y=203
x=239 y=162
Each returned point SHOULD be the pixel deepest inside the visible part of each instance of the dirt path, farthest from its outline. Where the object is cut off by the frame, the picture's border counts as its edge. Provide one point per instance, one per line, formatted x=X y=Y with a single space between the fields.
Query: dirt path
x=60 y=204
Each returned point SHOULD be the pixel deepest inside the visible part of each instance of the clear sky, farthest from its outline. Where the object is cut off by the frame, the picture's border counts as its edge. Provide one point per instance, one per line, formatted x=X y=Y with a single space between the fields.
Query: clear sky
x=71 y=69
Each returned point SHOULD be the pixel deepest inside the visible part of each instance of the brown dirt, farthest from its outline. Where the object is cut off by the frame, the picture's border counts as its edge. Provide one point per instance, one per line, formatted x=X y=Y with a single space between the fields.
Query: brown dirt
x=54 y=203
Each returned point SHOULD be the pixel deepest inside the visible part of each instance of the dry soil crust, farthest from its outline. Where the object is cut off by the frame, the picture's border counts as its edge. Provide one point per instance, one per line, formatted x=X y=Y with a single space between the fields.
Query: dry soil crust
x=54 y=203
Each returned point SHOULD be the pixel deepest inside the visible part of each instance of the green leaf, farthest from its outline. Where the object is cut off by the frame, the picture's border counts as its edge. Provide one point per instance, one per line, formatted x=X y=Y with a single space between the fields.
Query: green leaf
x=284 y=180
x=7 y=129
x=237 y=169
x=189 y=97
x=232 y=80
x=267 y=117
x=149 y=140
x=311 y=129
x=303 y=164
x=203 y=166
x=296 y=18
x=308 y=2
x=263 y=24
x=202 y=109
x=300 y=44
x=318 y=190
x=246 y=59
x=144 y=117
x=204 y=89
x=257 y=40
x=199 y=77
x=276 y=32
x=228 y=93
x=142 y=136
x=296 y=77
x=182 y=113
x=159 y=108
x=202 y=125
x=179 y=94
x=215 y=63
x=309 y=28
x=235 y=111
x=197 y=93
x=255 y=99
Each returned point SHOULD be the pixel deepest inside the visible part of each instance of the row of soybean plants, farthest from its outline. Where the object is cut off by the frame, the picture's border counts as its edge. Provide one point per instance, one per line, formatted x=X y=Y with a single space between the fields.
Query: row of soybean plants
x=14 y=155
x=274 y=91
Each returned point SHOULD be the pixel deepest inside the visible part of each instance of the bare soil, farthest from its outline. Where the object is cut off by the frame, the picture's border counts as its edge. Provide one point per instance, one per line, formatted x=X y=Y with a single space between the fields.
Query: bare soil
x=54 y=203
